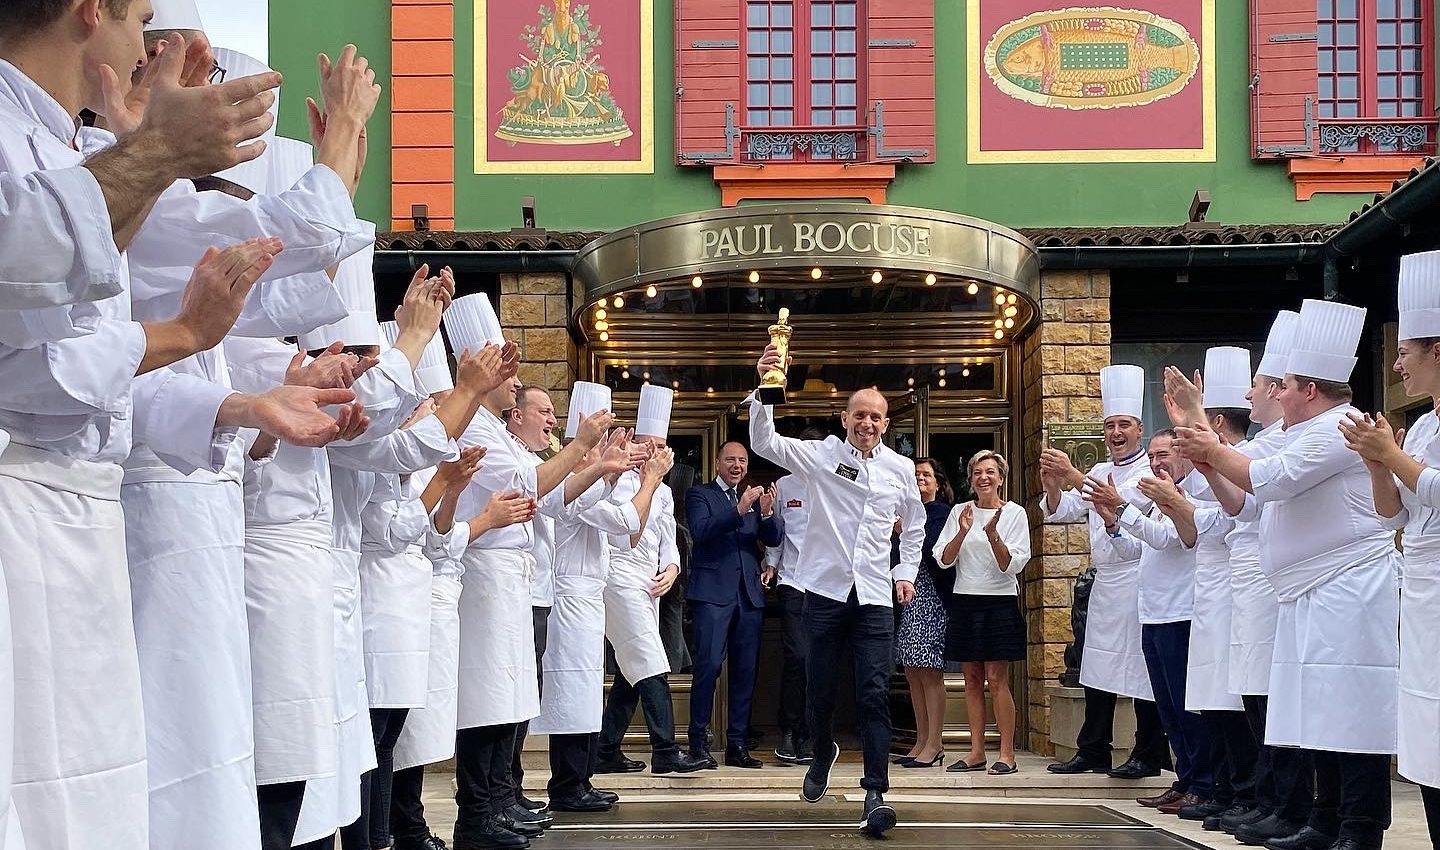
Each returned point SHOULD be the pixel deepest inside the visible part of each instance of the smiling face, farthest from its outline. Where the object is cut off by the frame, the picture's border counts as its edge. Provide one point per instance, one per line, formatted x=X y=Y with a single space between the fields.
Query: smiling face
x=1294 y=399
x=114 y=39
x=732 y=464
x=925 y=480
x=1163 y=456
x=1418 y=365
x=502 y=398
x=1264 y=407
x=986 y=479
x=866 y=419
x=1122 y=436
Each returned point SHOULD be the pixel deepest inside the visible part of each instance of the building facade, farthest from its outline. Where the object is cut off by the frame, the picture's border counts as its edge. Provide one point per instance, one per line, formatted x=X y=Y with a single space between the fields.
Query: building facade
x=973 y=206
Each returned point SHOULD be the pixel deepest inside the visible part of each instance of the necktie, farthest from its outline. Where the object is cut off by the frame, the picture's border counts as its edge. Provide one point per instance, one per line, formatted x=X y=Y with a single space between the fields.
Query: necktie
x=730 y=494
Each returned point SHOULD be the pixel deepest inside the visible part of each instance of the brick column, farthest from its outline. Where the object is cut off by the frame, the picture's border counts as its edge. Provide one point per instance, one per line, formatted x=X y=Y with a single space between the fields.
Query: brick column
x=422 y=119
x=1061 y=383
x=534 y=309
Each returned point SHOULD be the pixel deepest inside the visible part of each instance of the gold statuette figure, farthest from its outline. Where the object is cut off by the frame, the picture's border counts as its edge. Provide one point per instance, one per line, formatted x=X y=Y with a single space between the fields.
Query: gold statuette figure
x=772 y=385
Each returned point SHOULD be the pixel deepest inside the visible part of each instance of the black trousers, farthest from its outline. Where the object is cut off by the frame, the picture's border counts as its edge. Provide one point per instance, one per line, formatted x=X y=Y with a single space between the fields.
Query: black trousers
x=1167 y=648
x=572 y=763
x=482 y=767
x=1097 y=731
x=1284 y=776
x=869 y=631
x=385 y=725
x=1353 y=791
x=793 y=644
x=1431 y=797
x=355 y=835
x=1234 y=756
x=652 y=695
x=407 y=807
x=540 y=620
x=279 y=813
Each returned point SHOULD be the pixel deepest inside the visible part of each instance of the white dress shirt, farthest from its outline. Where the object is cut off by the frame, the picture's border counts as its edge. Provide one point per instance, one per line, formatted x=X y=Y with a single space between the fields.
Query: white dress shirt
x=856 y=502
x=977 y=572
x=792 y=500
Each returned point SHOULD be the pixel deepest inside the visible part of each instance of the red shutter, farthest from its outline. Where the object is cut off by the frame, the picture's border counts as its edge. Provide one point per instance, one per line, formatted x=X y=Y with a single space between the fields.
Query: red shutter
x=1284 y=81
x=707 y=81
x=900 y=58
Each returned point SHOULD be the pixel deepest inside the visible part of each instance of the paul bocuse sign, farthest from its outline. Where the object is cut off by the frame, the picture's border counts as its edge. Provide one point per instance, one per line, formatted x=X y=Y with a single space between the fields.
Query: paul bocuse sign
x=882 y=239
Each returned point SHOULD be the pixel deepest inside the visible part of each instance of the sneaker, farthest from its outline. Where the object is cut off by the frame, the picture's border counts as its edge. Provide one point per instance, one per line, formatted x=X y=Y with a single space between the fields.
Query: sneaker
x=879 y=815
x=817 y=778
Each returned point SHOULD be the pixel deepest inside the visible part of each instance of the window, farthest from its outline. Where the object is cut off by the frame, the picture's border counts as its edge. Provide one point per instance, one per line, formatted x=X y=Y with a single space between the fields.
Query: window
x=803 y=71
x=1374 y=77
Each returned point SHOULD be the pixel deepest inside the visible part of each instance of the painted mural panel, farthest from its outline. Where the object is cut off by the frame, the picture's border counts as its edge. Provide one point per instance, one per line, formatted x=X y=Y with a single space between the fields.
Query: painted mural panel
x=564 y=87
x=1056 y=82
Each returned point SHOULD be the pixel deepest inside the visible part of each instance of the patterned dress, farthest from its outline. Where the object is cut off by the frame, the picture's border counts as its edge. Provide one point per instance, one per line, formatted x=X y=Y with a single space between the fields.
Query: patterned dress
x=920 y=636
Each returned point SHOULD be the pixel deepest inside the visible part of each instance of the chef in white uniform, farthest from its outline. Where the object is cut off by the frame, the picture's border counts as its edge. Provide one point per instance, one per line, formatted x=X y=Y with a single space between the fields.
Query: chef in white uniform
x=1406 y=486
x=642 y=569
x=498 y=678
x=80 y=764
x=1333 y=680
x=1113 y=662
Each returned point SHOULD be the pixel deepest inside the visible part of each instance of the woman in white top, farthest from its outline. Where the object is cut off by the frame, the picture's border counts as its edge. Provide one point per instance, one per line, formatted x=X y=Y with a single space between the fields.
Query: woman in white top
x=987 y=543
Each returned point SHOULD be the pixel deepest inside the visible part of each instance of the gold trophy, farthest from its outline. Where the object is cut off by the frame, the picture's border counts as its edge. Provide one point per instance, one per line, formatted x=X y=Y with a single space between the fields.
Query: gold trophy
x=772 y=385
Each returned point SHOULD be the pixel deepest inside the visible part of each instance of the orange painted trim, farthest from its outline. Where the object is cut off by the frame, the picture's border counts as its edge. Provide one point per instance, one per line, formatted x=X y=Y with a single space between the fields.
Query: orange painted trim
x=1350 y=174
x=422 y=111
x=803 y=182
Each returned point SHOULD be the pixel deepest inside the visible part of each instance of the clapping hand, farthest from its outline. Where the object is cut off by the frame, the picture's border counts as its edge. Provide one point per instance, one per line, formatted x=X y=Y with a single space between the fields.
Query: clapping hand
x=767 y=501
x=1056 y=469
x=1198 y=442
x=659 y=464
x=748 y=499
x=993 y=526
x=1184 y=398
x=456 y=474
x=1098 y=492
x=593 y=428
x=333 y=369
x=967 y=519
x=1371 y=437
x=1162 y=490
x=507 y=509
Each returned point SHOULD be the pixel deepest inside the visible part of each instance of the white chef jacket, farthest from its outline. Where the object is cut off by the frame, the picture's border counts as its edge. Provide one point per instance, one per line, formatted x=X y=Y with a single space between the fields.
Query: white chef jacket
x=1073 y=507
x=1320 y=519
x=856 y=502
x=542 y=583
x=582 y=548
x=508 y=468
x=1167 y=566
x=638 y=566
x=792 y=499
x=55 y=240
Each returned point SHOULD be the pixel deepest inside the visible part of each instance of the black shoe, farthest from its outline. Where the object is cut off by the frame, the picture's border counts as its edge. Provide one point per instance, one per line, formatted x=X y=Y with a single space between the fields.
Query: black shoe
x=1305 y=839
x=935 y=762
x=520 y=814
x=584 y=802
x=786 y=751
x=1203 y=811
x=1229 y=823
x=1265 y=830
x=491 y=834
x=431 y=842
x=1078 y=765
x=1134 y=769
x=608 y=796
x=879 y=815
x=529 y=830
x=741 y=758
x=675 y=762
x=817 y=778
x=1212 y=822
x=618 y=763
x=1353 y=844
x=804 y=751
x=753 y=738
x=532 y=805
x=703 y=756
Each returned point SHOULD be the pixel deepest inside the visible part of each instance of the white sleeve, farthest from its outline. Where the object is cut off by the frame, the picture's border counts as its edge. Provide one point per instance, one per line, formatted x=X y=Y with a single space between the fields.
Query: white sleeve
x=798 y=456
x=1072 y=508
x=408 y=450
x=56 y=245
x=76 y=375
x=1311 y=459
x=1014 y=530
x=1157 y=534
x=390 y=394
x=947 y=536
x=175 y=417
x=393 y=524
x=912 y=533
x=669 y=551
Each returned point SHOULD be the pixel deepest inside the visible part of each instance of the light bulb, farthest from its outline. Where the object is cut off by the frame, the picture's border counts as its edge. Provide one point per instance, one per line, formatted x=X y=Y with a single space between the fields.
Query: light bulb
x=675 y=384
x=973 y=289
x=942 y=373
x=1010 y=299
x=710 y=390
x=646 y=376
x=815 y=273
x=1000 y=298
x=910 y=382
x=697 y=281
x=602 y=326
x=999 y=323
x=600 y=313
x=1011 y=312
x=964 y=373
x=929 y=280
x=650 y=291
x=942 y=382
x=754 y=277
x=999 y=334
x=1009 y=323
x=618 y=302
x=604 y=336
x=877 y=277
x=625 y=374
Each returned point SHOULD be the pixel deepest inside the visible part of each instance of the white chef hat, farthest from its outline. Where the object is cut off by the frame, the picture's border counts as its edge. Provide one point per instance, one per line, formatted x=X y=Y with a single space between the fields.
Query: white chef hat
x=471 y=323
x=1122 y=391
x=1227 y=378
x=1325 y=341
x=654 y=417
x=1419 y=297
x=287 y=161
x=172 y=15
x=434 y=369
x=355 y=278
x=585 y=398
x=1278 y=345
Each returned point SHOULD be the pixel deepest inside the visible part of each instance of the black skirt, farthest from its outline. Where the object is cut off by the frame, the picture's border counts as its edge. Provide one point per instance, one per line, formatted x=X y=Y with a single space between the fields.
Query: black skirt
x=983 y=628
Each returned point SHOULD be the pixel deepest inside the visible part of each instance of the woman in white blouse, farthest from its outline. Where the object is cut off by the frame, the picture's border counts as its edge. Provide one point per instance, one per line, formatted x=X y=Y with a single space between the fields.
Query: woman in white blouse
x=987 y=543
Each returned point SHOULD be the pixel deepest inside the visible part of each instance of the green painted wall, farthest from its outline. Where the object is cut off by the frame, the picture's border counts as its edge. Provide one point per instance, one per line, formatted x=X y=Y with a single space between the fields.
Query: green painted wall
x=327 y=26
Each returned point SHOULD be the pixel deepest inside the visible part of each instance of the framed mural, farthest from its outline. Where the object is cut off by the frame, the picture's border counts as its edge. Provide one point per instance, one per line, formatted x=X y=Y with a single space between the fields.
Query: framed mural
x=564 y=87
x=1068 y=82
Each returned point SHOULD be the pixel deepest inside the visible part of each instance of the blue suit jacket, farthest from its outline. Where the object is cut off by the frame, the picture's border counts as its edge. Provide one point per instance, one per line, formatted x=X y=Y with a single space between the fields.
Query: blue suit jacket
x=725 y=558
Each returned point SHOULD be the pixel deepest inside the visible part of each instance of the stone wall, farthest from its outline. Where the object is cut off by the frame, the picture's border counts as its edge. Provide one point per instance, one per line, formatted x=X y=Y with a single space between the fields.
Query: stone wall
x=534 y=311
x=1060 y=378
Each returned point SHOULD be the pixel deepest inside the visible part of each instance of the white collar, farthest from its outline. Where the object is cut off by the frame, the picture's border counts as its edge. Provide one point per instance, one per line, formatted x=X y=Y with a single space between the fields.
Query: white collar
x=859 y=455
x=37 y=103
x=720 y=482
x=1139 y=453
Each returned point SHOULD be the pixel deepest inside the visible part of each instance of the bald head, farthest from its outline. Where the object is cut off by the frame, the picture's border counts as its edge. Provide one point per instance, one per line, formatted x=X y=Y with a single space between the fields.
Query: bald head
x=868 y=397
x=866 y=418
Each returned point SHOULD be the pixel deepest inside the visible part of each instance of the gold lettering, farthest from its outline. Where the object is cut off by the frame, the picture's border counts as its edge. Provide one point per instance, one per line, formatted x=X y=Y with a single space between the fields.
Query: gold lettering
x=708 y=240
x=770 y=246
x=922 y=241
x=804 y=237
x=837 y=245
x=855 y=243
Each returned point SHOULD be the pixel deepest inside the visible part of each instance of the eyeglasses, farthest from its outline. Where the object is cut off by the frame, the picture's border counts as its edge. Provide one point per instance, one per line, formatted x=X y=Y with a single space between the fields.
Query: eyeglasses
x=217 y=74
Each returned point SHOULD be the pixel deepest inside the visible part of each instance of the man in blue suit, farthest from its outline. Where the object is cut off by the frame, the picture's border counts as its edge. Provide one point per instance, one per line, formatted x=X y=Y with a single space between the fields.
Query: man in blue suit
x=728 y=527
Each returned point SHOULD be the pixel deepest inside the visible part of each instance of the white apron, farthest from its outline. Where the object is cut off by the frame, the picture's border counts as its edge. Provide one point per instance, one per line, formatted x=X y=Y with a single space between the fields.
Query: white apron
x=186 y=543
x=1419 y=708
x=290 y=603
x=1253 y=612
x=574 y=695
x=79 y=774
x=1333 y=683
x=632 y=625
x=1113 y=660
x=334 y=801
x=498 y=683
x=429 y=733
x=395 y=610
x=10 y=837
x=1207 y=669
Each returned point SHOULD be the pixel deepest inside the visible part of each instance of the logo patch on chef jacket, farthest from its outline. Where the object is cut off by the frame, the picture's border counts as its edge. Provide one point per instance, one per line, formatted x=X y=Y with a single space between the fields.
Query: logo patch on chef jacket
x=849 y=472
x=794 y=503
